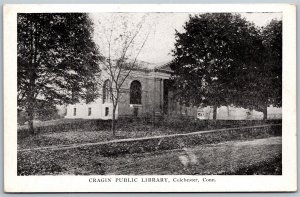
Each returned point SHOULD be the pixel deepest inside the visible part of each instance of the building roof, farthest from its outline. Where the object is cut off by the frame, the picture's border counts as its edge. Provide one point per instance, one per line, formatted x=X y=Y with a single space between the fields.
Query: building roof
x=146 y=65
x=156 y=67
x=165 y=67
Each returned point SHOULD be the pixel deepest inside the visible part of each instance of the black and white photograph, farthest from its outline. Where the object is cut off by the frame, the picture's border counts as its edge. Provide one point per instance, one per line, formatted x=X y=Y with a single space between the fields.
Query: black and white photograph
x=149 y=95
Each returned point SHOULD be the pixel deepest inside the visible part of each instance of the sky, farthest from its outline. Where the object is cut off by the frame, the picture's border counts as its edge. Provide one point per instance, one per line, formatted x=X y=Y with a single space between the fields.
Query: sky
x=161 y=26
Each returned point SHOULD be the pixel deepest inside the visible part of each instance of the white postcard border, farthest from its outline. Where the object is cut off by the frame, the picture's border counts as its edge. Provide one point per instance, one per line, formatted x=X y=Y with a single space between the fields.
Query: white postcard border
x=286 y=182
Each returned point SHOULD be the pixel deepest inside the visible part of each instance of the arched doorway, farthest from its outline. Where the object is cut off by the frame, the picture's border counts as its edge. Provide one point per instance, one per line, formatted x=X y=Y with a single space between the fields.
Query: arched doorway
x=135 y=96
x=136 y=93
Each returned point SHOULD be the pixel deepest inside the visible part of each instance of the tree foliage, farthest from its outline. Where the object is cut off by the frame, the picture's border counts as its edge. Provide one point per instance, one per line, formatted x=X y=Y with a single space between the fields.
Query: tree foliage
x=261 y=79
x=271 y=66
x=57 y=59
x=222 y=59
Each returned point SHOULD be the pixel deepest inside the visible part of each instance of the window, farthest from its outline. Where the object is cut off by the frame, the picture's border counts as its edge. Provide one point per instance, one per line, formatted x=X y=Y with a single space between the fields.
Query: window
x=135 y=93
x=106 y=111
x=74 y=112
x=107 y=91
x=90 y=111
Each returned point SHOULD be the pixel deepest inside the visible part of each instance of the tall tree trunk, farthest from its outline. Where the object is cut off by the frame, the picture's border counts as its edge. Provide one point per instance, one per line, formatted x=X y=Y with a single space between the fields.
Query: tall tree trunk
x=265 y=112
x=31 y=101
x=32 y=73
x=153 y=118
x=113 y=121
x=215 y=112
x=30 y=111
x=30 y=120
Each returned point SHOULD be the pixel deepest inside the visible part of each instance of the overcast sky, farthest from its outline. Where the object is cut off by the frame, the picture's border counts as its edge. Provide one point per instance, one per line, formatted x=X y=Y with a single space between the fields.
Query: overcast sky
x=161 y=39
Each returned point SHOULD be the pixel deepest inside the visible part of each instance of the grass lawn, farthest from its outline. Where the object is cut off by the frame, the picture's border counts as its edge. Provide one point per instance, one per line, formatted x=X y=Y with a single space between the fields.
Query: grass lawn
x=232 y=157
x=81 y=136
x=91 y=133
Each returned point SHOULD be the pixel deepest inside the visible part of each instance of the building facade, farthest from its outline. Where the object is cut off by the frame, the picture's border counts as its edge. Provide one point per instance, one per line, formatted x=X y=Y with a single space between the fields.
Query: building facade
x=145 y=92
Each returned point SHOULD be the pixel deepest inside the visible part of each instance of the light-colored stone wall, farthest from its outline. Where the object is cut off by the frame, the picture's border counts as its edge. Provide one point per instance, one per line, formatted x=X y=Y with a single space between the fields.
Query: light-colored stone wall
x=152 y=99
x=152 y=95
x=97 y=110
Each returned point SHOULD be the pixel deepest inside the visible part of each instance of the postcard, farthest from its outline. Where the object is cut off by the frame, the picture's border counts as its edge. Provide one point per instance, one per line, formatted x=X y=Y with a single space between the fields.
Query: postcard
x=150 y=98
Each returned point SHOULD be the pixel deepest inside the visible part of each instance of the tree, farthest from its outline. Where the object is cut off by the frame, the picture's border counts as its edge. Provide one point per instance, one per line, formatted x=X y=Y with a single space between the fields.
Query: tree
x=57 y=60
x=209 y=54
x=122 y=38
x=272 y=40
x=45 y=111
x=263 y=80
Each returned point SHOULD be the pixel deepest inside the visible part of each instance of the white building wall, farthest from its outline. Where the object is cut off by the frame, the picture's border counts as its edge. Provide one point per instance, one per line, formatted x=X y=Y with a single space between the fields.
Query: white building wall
x=97 y=110
x=234 y=113
x=150 y=98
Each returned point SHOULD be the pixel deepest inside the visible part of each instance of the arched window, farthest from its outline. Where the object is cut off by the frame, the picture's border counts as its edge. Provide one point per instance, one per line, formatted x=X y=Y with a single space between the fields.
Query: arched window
x=135 y=93
x=107 y=91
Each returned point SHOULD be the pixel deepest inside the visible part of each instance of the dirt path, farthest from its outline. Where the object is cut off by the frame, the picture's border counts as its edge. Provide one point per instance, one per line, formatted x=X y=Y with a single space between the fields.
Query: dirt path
x=205 y=159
